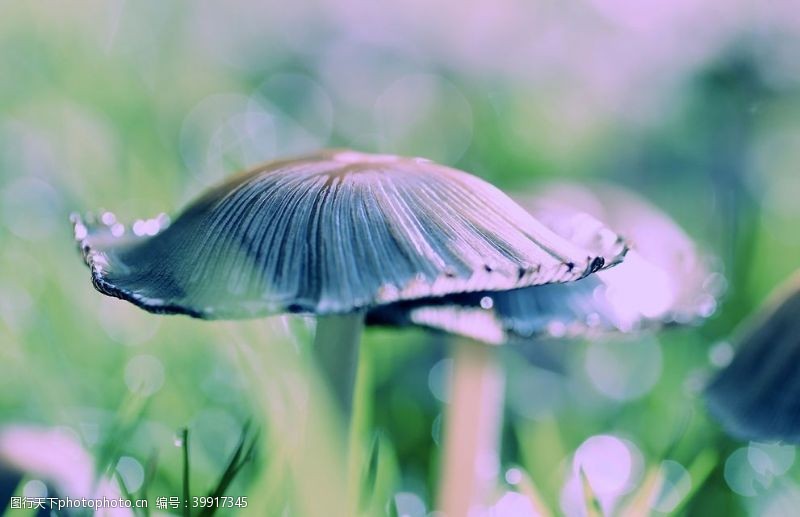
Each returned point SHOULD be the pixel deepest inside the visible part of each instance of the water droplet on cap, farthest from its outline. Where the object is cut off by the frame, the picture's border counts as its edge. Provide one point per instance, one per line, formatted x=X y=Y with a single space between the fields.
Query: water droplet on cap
x=80 y=232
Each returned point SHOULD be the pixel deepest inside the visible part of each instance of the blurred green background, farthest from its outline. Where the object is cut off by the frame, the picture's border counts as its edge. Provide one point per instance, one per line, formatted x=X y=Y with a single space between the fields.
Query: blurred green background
x=136 y=107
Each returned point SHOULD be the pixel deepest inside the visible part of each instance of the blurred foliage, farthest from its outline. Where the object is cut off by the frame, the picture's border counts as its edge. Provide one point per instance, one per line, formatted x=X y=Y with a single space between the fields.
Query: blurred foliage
x=138 y=106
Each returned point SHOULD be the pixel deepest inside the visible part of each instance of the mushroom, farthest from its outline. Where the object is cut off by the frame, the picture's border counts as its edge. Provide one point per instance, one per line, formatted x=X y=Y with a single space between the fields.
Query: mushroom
x=330 y=234
x=682 y=284
x=663 y=280
x=757 y=396
x=59 y=460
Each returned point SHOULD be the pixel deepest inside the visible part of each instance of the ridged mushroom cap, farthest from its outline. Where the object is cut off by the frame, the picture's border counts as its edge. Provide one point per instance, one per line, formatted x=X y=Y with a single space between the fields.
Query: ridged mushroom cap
x=329 y=233
x=662 y=281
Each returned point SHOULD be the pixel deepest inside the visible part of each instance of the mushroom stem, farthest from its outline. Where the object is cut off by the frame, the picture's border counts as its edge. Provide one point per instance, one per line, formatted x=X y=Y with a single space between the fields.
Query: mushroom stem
x=337 y=341
x=472 y=426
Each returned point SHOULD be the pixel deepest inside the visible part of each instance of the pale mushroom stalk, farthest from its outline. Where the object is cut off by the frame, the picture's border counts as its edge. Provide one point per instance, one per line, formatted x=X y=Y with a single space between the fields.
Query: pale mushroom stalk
x=472 y=428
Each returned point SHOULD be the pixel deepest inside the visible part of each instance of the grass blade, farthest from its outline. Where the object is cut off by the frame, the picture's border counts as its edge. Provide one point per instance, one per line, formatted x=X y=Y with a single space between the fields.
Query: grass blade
x=186 y=491
x=149 y=476
x=128 y=419
x=592 y=504
x=639 y=503
x=699 y=471
x=528 y=488
x=370 y=475
x=243 y=454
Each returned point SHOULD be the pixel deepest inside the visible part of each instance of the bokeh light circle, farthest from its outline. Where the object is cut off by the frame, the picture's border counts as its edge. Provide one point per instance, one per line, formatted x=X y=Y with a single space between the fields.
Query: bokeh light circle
x=676 y=483
x=31 y=208
x=424 y=115
x=131 y=472
x=224 y=133
x=302 y=111
x=439 y=379
x=34 y=488
x=144 y=375
x=624 y=369
x=607 y=463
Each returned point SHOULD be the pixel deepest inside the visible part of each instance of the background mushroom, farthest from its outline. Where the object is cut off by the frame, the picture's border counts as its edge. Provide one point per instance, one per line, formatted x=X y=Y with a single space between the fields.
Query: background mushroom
x=664 y=279
x=59 y=464
x=756 y=396
x=330 y=234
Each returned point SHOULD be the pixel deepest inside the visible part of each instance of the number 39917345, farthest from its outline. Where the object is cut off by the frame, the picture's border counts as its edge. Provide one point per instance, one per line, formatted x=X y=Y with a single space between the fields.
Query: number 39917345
x=219 y=502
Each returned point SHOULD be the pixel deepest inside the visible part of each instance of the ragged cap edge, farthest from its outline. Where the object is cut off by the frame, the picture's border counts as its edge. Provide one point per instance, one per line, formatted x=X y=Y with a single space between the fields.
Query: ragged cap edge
x=96 y=260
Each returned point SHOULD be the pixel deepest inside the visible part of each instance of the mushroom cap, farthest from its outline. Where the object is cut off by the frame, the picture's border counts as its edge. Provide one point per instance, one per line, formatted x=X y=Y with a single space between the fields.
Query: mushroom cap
x=757 y=396
x=328 y=233
x=50 y=454
x=663 y=281
x=57 y=458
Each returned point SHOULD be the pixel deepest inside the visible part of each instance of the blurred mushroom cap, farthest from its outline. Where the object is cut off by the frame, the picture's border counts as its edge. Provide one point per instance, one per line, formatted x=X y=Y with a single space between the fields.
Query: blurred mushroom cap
x=51 y=454
x=757 y=396
x=57 y=457
x=329 y=233
x=664 y=279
